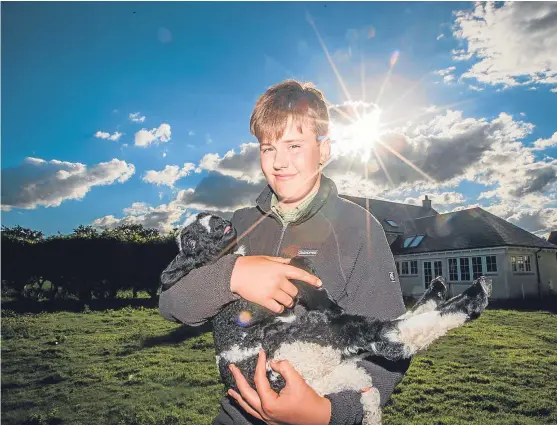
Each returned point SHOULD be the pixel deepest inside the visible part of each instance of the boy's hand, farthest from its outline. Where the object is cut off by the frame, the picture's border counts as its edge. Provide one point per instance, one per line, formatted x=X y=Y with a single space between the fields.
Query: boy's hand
x=272 y=288
x=296 y=404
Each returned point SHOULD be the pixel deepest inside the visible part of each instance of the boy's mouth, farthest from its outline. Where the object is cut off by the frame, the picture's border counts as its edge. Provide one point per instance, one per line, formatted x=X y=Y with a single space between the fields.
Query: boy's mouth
x=283 y=177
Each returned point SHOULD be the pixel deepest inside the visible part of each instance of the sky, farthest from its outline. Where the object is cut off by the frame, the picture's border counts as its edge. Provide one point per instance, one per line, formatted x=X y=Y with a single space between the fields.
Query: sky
x=128 y=112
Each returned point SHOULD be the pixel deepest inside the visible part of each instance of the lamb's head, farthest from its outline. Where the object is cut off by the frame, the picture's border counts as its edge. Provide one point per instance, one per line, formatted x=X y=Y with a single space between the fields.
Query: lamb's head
x=206 y=233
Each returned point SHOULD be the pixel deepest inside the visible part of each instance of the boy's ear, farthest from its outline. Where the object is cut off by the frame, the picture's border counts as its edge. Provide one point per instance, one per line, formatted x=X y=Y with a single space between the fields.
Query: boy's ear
x=324 y=149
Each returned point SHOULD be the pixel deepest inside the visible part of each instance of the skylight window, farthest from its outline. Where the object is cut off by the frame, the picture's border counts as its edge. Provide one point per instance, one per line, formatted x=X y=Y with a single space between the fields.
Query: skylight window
x=413 y=241
x=416 y=241
x=392 y=223
x=408 y=241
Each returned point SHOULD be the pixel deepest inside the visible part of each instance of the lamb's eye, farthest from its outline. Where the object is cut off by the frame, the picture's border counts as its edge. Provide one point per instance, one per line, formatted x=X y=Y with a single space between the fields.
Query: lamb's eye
x=191 y=243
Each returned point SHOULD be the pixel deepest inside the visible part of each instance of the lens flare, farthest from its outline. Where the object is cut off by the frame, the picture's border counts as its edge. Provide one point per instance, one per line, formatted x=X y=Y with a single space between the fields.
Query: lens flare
x=243 y=318
x=394 y=58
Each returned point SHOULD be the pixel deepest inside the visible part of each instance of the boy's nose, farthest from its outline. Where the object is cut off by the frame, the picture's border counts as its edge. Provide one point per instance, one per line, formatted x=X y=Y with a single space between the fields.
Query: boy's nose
x=281 y=159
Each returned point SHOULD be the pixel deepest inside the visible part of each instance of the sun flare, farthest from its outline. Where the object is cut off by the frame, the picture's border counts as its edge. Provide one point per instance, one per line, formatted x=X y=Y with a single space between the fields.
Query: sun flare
x=359 y=136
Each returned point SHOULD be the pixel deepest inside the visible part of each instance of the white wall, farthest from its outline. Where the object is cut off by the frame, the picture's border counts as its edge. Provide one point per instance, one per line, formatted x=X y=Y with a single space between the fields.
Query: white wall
x=548 y=271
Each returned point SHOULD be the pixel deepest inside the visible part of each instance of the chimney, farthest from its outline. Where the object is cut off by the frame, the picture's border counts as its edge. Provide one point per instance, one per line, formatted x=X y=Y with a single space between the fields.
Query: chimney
x=426 y=203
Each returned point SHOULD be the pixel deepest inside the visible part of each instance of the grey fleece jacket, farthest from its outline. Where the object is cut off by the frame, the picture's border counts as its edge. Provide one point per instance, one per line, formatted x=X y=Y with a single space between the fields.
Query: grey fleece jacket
x=349 y=250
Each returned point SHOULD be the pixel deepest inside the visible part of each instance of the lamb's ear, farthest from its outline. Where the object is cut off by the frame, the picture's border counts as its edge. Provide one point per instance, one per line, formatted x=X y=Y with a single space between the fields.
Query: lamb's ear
x=309 y=296
x=188 y=221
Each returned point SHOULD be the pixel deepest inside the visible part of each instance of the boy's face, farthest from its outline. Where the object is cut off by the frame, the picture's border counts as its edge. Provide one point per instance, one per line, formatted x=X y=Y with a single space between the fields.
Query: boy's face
x=291 y=163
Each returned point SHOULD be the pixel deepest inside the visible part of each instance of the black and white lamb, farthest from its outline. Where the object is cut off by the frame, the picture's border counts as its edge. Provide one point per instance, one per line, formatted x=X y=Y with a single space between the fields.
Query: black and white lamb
x=324 y=344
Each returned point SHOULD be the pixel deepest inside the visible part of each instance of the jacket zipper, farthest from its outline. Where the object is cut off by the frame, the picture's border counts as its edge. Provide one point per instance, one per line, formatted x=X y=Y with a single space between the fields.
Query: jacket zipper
x=284 y=226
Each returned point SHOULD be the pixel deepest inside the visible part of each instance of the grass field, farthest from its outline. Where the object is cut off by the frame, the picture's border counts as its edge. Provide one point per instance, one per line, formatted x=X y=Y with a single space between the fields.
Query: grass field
x=130 y=366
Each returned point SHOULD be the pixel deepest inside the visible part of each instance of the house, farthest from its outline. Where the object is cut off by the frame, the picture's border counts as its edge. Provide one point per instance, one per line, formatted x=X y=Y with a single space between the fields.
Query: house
x=462 y=245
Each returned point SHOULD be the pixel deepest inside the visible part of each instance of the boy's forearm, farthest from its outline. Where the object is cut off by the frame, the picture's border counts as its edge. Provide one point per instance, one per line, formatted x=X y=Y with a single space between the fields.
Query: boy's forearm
x=201 y=294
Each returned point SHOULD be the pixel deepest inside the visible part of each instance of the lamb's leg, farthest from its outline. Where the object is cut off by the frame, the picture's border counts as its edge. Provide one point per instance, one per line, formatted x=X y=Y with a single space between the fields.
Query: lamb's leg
x=402 y=338
x=433 y=296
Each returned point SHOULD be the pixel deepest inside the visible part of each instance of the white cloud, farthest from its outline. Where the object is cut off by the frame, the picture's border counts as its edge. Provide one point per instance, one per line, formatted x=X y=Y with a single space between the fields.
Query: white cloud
x=208 y=139
x=104 y=135
x=191 y=133
x=244 y=165
x=135 y=117
x=156 y=135
x=445 y=71
x=475 y=88
x=542 y=144
x=439 y=200
x=215 y=193
x=448 y=78
x=170 y=174
x=515 y=43
x=162 y=217
x=440 y=36
x=37 y=182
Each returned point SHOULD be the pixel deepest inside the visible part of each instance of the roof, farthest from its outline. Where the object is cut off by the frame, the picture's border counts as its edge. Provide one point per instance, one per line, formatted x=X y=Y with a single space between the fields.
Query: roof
x=553 y=237
x=394 y=211
x=466 y=229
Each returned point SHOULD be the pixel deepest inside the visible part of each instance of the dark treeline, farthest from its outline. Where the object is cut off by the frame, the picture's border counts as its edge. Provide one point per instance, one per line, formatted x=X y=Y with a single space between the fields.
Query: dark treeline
x=86 y=264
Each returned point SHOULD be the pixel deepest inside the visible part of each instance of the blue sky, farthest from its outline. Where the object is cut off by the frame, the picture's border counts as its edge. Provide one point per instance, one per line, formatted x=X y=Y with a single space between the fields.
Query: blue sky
x=72 y=73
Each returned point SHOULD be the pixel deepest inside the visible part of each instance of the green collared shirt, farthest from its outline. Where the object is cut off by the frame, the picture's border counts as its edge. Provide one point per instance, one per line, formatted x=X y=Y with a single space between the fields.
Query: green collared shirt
x=288 y=217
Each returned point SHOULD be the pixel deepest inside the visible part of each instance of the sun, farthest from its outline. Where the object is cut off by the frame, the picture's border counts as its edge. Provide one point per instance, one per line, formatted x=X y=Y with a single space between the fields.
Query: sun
x=359 y=136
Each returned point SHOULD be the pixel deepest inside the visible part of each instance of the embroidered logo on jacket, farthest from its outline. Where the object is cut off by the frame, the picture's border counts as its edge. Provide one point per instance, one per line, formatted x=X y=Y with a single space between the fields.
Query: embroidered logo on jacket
x=392 y=276
x=304 y=252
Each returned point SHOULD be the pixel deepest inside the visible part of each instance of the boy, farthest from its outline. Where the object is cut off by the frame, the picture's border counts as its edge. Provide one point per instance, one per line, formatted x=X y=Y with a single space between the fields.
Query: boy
x=298 y=213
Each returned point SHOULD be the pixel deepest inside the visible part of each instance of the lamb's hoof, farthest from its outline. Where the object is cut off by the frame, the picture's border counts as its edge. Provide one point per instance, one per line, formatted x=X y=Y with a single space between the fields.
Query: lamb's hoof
x=481 y=287
x=472 y=301
x=437 y=289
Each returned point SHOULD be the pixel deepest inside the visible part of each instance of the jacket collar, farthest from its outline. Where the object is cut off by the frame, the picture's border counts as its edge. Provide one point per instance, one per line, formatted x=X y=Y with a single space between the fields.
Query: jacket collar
x=327 y=190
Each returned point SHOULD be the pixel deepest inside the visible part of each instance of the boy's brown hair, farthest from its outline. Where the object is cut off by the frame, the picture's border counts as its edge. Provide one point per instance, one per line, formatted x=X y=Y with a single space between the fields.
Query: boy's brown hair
x=301 y=100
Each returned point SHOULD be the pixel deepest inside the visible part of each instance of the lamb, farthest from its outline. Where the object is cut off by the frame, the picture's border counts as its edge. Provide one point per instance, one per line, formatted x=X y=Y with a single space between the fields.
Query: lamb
x=324 y=343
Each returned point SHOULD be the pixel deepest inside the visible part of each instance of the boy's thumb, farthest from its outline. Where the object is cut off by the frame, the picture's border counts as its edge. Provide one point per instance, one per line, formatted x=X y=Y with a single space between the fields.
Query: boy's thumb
x=285 y=369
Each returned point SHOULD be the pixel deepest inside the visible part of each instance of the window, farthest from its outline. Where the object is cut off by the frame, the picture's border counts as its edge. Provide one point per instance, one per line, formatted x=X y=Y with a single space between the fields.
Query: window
x=397 y=268
x=407 y=241
x=405 y=267
x=477 y=268
x=438 y=268
x=416 y=241
x=453 y=269
x=520 y=263
x=491 y=263
x=392 y=223
x=428 y=275
x=527 y=264
x=413 y=267
x=464 y=269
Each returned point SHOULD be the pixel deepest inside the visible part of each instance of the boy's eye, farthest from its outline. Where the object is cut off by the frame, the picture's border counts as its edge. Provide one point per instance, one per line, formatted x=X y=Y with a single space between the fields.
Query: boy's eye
x=295 y=146
x=265 y=150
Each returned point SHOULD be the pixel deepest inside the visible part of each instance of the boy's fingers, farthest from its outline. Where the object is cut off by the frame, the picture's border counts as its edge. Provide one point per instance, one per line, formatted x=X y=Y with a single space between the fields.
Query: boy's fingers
x=243 y=404
x=261 y=382
x=247 y=392
x=299 y=274
x=283 y=298
x=277 y=259
x=274 y=306
x=289 y=287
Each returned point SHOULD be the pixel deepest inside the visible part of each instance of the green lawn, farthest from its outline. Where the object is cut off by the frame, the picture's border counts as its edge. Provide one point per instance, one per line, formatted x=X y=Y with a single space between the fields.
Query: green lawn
x=130 y=366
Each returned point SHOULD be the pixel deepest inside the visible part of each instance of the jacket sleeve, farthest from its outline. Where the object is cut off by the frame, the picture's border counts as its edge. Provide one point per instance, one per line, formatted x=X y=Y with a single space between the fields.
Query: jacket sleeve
x=373 y=290
x=202 y=293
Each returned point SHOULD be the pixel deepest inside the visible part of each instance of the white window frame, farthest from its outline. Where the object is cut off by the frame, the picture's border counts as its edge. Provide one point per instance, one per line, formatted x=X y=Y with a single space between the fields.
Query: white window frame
x=408 y=265
x=521 y=259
